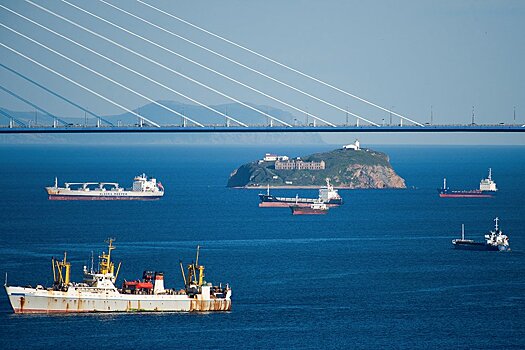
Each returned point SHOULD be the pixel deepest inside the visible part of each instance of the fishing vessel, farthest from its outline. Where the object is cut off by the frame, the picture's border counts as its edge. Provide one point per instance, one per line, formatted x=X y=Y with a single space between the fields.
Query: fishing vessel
x=495 y=240
x=142 y=189
x=487 y=188
x=318 y=208
x=98 y=292
x=327 y=195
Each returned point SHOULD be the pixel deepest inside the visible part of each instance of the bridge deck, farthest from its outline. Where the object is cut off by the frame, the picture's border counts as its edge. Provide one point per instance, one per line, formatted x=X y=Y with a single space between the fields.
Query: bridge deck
x=259 y=129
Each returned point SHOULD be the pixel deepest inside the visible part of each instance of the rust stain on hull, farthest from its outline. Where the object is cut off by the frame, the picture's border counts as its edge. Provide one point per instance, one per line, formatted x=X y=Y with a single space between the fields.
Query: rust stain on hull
x=210 y=305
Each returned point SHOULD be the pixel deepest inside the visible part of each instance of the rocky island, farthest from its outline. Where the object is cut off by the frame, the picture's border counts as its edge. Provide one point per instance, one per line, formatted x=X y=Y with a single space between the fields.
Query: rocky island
x=348 y=167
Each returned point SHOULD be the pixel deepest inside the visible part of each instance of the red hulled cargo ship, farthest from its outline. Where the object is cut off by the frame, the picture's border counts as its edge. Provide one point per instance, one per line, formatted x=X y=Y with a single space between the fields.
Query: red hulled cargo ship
x=487 y=188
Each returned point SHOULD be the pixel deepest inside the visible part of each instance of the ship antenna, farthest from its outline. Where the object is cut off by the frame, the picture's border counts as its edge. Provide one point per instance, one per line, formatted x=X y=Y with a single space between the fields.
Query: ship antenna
x=56 y=182
x=462 y=232
x=490 y=173
x=268 y=190
x=5 y=283
x=92 y=261
x=183 y=275
x=496 y=220
x=197 y=257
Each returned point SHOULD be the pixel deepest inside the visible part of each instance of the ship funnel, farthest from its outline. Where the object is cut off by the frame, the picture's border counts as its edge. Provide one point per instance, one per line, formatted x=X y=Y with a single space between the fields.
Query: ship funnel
x=158 y=288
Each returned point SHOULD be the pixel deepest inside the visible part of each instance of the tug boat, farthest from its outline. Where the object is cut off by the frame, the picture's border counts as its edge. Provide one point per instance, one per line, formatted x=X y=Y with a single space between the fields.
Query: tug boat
x=327 y=194
x=143 y=189
x=317 y=208
x=487 y=188
x=495 y=241
x=98 y=291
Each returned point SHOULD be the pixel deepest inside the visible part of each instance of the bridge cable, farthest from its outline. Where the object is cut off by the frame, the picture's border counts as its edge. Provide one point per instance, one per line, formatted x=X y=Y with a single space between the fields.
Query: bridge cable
x=33 y=105
x=81 y=86
x=161 y=65
x=253 y=70
x=93 y=71
x=202 y=65
x=280 y=64
x=123 y=66
x=100 y=55
x=56 y=94
x=131 y=70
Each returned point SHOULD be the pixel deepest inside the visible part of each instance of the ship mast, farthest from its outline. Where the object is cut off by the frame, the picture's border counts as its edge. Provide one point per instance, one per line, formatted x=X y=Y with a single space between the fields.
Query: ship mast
x=496 y=221
x=462 y=232
x=106 y=266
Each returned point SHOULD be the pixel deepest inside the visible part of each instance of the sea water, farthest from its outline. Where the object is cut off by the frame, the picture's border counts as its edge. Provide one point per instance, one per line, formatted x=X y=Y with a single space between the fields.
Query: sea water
x=378 y=272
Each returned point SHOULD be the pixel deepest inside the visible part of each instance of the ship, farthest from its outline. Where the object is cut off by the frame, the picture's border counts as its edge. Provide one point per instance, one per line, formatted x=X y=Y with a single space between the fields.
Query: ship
x=327 y=195
x=487 y=188
x=98 y=292
x=317 y=208
x=142 y=189
x=495 y=240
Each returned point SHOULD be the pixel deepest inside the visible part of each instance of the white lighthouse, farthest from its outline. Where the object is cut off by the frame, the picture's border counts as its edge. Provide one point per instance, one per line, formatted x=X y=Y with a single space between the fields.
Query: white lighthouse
x=353 y=146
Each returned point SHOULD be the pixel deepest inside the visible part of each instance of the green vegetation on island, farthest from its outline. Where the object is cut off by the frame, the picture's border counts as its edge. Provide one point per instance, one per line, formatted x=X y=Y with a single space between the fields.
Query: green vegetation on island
x=349 y=167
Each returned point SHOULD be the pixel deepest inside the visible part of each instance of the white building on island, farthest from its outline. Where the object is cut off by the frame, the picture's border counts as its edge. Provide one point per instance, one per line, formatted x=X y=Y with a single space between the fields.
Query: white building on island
x=353 y=146
x=268 y=157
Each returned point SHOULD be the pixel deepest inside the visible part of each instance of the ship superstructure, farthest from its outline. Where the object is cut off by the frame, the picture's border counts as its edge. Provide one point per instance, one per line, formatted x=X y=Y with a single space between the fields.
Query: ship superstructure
x=142 y=189
x=495 y=240
x=328 y=195
x=487 y=188
x=488 y=184
x=98 y=292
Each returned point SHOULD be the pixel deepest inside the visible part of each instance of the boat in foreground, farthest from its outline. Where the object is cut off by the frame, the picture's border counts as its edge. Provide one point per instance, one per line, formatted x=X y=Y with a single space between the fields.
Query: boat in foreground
x=98 y=292
x=318 y=208
x=487 y=188
x=327 y=195
x=143 y=189
x=495 y=240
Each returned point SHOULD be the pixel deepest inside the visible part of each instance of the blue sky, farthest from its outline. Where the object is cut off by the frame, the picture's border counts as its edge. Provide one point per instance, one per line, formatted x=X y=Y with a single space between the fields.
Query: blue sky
x=403 y=55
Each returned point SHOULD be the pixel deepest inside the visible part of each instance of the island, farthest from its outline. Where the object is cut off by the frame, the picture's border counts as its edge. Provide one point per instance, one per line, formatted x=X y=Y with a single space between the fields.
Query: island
x=348 y=167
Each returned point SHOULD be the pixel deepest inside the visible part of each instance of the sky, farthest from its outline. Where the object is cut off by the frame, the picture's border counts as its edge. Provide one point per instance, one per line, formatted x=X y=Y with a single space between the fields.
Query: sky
x=451 y=57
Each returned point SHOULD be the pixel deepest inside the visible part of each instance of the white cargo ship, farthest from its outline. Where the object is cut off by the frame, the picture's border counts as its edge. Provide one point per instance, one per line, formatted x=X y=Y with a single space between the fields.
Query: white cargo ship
x=98 y=293
x=143 y=189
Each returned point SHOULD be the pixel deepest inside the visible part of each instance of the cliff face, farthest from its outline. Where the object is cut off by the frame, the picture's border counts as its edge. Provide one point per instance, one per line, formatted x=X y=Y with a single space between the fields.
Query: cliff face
x=345 y=168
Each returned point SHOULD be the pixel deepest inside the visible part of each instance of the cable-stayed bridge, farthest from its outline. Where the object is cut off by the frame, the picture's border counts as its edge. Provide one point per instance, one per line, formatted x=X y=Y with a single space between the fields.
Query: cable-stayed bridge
x=93 y=40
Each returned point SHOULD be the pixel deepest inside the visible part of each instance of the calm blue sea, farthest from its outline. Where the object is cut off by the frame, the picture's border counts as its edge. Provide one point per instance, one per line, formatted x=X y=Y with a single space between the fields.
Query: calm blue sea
x=377 y=273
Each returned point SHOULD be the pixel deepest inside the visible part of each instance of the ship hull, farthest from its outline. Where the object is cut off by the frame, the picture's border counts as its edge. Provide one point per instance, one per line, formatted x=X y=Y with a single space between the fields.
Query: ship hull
x=72 y=195
x=267 y=201
x=464 y=194
x=101 y=198
x=31 y=300
x=307 y=211
x=475 y=246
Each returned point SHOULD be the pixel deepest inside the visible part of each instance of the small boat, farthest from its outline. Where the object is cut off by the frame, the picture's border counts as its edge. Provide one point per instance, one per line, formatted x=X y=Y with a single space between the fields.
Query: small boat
x=495 y=241
x=487 y=188
x=317 y=208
